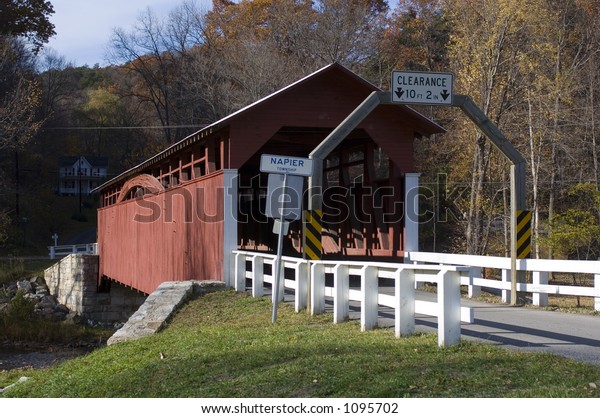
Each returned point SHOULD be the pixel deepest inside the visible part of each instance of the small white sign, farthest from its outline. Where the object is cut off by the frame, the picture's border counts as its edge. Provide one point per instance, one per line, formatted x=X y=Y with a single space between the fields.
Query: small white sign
x=284 y=202
x=280 y=164
x=413 y=87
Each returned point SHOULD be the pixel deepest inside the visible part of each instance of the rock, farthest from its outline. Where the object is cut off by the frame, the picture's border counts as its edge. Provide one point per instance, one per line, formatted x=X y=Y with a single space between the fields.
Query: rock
x=48 y=312
x=25 y=286
x=32 y=297
x=50 y=300
x=21 y=380
x=37 y=281
x=62 y=308
x=36 y=291
x=73 y=318
x=45 y=304
x=11 y=290
x=42 y=290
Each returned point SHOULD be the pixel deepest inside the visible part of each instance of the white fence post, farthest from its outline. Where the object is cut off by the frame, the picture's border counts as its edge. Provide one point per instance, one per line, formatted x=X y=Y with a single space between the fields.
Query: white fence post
x=317 y=289
x=540 y=277
x=474 y=291
x=404 y=318
x=369 y=285
x=505 y=289
x=301 y=285
x=52 y=253
x=230 y=221
x=341 y=292
x=258 y=276
x=597 y=289
x=449 y=308
x=240 y=272
x=411 y=211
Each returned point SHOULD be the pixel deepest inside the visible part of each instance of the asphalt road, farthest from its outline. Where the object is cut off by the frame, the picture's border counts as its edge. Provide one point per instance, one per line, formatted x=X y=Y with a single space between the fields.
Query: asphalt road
x=517 y=328
x=529 y=329
x=524 y=328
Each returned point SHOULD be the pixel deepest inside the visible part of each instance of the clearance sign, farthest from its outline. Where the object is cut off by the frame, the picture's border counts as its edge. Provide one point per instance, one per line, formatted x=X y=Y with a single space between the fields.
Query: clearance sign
x=413 y=87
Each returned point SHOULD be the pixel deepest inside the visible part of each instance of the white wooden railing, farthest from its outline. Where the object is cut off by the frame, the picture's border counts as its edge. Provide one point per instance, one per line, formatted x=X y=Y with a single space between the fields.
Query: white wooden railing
x=64 y=250
x=539 y=269
x=401 y=297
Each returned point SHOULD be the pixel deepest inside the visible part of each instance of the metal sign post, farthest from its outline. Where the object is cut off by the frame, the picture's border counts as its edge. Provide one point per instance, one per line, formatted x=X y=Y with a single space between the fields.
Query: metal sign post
x=297 y=168
x=276 y=284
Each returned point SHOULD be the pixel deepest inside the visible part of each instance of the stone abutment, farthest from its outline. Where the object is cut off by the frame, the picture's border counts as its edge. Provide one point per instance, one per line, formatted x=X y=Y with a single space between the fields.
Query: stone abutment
x=74 y=282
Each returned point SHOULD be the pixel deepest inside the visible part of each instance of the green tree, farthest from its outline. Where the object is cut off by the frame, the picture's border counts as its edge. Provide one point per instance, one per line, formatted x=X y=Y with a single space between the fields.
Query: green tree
x=575 y=231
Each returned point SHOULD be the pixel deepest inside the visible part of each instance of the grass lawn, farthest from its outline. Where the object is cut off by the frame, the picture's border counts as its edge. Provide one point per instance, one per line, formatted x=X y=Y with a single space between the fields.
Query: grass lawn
x=223 y=345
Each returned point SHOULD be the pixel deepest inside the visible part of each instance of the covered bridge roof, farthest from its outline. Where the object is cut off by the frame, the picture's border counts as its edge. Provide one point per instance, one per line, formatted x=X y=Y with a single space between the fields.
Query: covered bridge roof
x=422 y=125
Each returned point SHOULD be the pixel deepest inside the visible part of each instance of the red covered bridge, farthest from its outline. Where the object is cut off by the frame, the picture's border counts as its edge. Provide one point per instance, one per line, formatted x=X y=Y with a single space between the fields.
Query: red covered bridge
x=178 y=215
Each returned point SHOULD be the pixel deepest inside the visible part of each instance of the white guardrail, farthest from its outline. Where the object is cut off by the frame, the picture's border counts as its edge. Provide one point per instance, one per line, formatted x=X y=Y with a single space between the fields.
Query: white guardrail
x=400 y=296
x=539 y=268
x=64 y=250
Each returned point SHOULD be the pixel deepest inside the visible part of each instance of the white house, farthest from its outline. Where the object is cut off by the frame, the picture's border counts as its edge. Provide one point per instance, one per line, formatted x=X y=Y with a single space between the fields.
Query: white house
x=79 y=175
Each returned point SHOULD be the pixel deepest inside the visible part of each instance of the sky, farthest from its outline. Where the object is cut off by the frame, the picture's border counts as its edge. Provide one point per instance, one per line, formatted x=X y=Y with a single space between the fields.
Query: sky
x=84 y=27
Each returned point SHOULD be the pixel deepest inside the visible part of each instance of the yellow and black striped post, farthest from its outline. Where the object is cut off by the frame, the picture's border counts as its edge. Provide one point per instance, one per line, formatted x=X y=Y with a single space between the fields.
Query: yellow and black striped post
x=313 y=249
x=523 y=233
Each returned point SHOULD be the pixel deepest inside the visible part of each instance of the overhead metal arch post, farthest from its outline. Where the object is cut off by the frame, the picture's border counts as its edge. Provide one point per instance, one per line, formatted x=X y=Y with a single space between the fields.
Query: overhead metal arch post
x=477 y=116
x=315 y=182
x=321 y=151
x=517 y=179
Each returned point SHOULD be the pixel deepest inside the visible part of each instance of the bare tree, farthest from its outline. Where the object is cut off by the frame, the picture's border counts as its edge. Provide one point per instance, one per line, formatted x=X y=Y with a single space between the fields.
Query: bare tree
x=54 y=81
x=144 y=53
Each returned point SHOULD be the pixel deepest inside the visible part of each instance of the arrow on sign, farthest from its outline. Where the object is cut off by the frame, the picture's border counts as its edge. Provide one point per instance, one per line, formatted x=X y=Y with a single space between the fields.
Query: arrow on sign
x=445 y=94
x=399 y=92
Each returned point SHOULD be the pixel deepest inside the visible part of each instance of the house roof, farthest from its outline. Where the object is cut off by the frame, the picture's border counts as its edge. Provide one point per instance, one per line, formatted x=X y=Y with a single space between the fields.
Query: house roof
x=93 y=161
x=218 y=125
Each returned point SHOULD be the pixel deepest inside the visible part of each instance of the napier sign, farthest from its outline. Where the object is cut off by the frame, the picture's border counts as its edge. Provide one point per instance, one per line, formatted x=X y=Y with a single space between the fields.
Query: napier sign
x=412 y=87
x=279 y=164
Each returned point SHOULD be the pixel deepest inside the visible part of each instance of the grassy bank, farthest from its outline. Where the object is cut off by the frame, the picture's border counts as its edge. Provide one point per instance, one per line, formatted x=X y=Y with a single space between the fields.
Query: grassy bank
x=223 y=345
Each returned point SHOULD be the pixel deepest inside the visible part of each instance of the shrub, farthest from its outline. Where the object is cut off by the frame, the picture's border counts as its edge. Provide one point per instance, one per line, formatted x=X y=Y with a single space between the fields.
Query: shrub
x=20 y=309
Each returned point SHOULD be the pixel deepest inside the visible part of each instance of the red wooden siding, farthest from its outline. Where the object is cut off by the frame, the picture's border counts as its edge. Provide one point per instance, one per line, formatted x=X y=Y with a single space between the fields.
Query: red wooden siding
x=174 y=235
